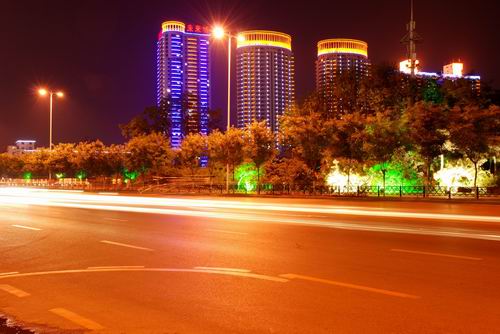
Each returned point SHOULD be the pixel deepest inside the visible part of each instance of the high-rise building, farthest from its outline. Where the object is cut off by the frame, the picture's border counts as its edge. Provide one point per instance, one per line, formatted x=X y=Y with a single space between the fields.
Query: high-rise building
x=183 y=78
x=338 y=57
x=265 y=77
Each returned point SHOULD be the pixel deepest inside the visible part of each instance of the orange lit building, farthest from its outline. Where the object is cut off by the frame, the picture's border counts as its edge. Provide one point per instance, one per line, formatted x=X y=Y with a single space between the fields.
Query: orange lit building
x=337 y=57
x=265 y=77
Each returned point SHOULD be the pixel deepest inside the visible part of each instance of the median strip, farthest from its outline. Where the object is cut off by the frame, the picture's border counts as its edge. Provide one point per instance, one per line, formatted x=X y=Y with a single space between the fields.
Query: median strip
x=77 y=319
x=350 y=286
x=437 y=254
x=14 y=291
x=126 y=245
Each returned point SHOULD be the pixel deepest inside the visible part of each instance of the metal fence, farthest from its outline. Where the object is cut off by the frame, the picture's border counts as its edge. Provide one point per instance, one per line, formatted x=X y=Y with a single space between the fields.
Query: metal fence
x=202 y=187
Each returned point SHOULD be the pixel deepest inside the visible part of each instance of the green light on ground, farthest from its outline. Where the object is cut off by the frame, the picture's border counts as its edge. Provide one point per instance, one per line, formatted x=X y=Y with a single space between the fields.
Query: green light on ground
x=27 y=176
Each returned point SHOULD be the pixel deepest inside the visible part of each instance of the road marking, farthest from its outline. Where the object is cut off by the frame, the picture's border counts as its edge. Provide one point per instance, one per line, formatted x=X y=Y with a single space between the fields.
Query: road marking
x=351 y=286
x=108 y=193
x=27 y=227
x=77 y=319
x=437 y=254
x=14 y=291
x=115 y=267
x=9 y=273
x=224 y=269
x=173 y=270
x=224 y=231
x=117 y=219
x=126 y=245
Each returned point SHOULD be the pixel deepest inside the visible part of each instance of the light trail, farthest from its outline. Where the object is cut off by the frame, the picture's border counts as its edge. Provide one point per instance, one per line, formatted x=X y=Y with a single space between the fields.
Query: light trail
x=184 y=207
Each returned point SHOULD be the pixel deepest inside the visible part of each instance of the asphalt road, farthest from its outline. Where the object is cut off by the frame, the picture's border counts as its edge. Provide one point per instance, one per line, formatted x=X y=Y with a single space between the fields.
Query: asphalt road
x=77 y=263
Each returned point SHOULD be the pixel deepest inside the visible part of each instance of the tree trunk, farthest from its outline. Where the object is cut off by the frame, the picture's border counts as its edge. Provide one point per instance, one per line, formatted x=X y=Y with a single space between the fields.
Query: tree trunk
x=258 y=180
x=475 y=173
x=383 y=178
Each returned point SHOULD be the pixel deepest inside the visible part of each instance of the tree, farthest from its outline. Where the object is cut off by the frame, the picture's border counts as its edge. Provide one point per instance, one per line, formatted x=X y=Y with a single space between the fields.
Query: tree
x=61 y=160
x=473 y=131
x=151 y=120
x=259 y=146
x=37 y=163
x=346 y=144
x=215 y=151
x=148 y=154
x=382 y=136
x=193 y=148
x=305 y=135
x=427 y=131
x=227 y=148
x=10 y=165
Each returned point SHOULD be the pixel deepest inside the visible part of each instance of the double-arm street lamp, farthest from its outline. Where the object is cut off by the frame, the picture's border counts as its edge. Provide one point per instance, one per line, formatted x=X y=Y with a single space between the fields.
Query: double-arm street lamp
x=44 y=92
x=219 y=33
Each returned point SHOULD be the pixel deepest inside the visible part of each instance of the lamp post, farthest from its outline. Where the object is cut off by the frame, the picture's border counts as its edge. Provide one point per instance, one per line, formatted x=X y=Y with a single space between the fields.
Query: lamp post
x=218 y=32
x=44 y=92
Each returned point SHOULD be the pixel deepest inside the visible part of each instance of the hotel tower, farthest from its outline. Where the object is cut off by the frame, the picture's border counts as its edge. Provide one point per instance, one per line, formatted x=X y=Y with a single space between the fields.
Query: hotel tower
x=265 y=77
x=337 y=57
x=183 y=78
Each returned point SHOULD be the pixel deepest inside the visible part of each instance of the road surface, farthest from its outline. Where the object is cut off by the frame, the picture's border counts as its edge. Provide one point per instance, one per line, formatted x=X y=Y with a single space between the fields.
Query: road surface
x=75 y=263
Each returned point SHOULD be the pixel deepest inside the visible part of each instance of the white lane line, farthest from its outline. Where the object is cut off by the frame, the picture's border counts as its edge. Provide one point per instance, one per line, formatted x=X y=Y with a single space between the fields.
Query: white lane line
x=117 y=267
x=14 y=291
x=125 y=245
x=224 y=269
x=27 y=227
x=351 y=286
x=117 y=219
x=77 y=319
x=169 y=270
x=108 y=193
x=225 y=231
x=9 y=273
x=437 y=254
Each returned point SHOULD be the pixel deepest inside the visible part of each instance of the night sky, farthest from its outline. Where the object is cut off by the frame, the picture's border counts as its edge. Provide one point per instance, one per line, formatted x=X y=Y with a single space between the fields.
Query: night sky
x=103 y=53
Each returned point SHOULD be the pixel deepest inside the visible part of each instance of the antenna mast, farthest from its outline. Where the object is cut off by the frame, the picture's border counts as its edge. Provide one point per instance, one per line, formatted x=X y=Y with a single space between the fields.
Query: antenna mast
x=411 y=39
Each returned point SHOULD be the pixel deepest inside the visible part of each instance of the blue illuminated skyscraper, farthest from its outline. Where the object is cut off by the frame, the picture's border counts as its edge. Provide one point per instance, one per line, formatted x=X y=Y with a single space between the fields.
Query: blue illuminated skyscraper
x=183 y=78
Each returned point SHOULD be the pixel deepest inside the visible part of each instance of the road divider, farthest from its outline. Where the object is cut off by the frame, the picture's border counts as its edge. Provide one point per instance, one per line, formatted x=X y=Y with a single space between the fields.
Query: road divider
x=126 y=245
x=224 y=269
x=225 y=231
x=77 y=319
x=27 y=227
x=350 y=286
x=156 y=270
x=116 y=267
x=14 y=291
x=436 y=254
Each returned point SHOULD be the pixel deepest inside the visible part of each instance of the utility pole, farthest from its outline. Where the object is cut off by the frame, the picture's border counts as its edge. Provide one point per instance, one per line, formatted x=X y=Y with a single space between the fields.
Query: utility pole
x=411 y=39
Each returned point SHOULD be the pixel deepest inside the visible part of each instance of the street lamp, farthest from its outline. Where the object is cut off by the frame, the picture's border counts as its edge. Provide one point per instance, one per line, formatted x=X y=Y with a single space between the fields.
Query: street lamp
x=44 y=92
x=218 y=32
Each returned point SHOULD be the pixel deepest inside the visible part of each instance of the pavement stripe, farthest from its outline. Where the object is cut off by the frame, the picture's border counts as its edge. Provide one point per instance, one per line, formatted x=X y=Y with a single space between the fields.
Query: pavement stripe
x=77 y=319
x=14 y=291
x=437 y=254
x=126 y=245
x=351 y=286
x=27 y=227
x=116 y=219
x=172 y=270
x=224 y=269
x=9 y=273
x=116 y=267
x=224 y=231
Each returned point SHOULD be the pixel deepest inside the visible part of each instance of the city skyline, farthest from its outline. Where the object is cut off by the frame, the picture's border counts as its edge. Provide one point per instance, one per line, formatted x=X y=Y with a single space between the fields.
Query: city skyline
x=111 y=89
